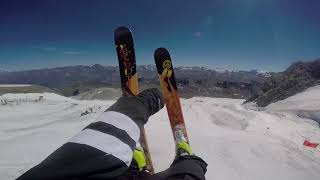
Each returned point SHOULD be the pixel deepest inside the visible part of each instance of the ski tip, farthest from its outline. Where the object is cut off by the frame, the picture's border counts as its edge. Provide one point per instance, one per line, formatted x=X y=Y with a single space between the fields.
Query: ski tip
x=161 y=53
x=121 y=29
x=123 y=35
x=161 y=50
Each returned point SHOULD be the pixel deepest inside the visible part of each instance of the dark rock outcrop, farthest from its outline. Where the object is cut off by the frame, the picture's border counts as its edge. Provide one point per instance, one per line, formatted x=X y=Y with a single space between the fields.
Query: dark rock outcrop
x=298 y=77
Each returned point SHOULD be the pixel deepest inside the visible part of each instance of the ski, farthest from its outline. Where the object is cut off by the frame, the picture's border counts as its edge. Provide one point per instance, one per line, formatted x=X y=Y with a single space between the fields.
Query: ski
x=170 y=93
x=129 y=78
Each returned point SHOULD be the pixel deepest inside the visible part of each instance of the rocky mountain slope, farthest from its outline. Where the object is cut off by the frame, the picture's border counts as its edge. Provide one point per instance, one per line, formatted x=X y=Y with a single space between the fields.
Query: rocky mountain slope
x=298 y=77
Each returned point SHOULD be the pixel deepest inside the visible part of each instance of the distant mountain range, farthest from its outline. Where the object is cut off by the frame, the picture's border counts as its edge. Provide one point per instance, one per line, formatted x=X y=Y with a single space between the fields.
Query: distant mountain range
x=192 y=81
x=99 y=81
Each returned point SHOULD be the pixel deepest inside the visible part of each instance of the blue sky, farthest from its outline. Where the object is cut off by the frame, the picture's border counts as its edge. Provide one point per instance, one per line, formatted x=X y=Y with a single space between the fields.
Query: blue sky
x=241 y=34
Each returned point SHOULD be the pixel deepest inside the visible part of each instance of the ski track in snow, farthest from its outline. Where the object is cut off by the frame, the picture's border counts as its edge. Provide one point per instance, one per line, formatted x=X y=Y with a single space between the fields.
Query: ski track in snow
x=238 y=141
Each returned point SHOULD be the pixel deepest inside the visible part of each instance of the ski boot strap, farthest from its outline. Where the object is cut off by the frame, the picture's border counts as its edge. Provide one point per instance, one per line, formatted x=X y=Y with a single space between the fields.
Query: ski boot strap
x=139 y=158
x=183 y=148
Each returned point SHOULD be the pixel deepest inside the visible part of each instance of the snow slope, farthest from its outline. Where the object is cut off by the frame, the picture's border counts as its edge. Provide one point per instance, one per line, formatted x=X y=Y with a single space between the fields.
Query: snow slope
x=305 y=105
x=14 y=85
x=237 y=141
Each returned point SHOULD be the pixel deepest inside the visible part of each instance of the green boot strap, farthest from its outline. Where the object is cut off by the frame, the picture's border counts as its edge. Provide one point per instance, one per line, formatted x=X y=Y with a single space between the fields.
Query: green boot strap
x=139 y=157
x=185 y=146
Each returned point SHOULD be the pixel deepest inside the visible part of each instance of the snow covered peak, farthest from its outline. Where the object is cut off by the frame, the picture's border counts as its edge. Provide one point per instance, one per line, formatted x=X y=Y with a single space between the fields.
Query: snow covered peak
x=262 y=72
x=224 y=70
x=149 y=67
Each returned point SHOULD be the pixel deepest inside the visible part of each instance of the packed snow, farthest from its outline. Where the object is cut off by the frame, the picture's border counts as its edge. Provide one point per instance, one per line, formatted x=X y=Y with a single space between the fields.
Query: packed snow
x=14 y=85
x=237 y=141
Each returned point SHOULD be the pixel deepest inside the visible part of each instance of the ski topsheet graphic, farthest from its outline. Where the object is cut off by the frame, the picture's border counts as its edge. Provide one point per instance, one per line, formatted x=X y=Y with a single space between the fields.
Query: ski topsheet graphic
x=169 y=89
x=129 y=78
x=127 y=61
